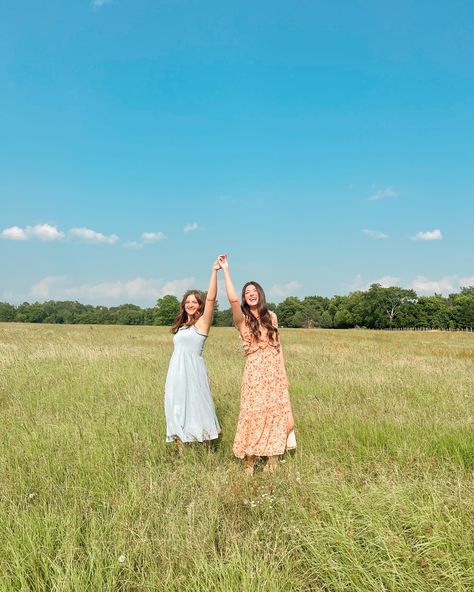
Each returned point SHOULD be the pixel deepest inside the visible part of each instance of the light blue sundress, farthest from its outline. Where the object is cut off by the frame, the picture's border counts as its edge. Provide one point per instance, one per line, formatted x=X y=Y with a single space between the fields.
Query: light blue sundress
x=189 y=408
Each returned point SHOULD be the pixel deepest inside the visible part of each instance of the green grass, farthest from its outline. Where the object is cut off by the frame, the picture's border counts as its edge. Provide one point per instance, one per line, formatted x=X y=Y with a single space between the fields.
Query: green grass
x=378 y=497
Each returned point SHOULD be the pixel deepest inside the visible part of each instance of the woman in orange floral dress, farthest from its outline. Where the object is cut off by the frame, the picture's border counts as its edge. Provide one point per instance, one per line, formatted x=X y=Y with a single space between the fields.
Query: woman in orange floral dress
x=265 y=425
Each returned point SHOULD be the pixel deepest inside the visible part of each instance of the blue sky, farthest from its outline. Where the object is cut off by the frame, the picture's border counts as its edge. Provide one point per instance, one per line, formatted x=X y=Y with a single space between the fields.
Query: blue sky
x=323 y=146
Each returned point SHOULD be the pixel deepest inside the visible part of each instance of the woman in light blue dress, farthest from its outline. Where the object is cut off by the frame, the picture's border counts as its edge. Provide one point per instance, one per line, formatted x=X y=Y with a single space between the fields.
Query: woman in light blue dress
x=189 y=408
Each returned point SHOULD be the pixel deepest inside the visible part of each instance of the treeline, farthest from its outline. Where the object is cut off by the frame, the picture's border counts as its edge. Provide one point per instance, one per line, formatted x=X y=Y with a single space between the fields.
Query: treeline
x=75 y=313
x=376 y=308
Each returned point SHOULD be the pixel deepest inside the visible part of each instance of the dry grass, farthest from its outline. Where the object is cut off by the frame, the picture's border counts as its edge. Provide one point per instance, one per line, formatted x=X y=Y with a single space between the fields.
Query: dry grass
x=378 y=496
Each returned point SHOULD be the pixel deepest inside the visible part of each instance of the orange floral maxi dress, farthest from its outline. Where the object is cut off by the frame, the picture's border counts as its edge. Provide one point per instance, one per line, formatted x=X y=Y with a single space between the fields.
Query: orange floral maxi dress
x=265 y=411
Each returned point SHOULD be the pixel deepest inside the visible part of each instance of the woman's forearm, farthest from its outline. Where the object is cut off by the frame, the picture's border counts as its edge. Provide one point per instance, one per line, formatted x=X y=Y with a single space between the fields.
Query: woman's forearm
x=229 y=286
x=233 y=300
x=212 y=289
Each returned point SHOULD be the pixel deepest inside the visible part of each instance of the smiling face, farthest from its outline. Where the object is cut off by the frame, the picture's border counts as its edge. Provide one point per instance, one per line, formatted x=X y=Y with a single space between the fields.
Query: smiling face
x=251 y=295
x=191 y=309
x=191 y=305
x=255 y=310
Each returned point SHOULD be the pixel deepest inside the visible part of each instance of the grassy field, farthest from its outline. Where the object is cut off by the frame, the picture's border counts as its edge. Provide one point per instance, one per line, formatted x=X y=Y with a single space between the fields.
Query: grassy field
x=379 y=495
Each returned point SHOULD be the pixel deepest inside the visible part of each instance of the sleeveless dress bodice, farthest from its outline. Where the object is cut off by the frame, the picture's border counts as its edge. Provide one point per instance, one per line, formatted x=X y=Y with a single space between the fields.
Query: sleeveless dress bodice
x=252 y=345
x=188 y=340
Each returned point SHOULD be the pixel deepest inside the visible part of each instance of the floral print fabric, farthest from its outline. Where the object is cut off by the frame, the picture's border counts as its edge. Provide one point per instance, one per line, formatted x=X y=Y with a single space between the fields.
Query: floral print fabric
x=265 y=409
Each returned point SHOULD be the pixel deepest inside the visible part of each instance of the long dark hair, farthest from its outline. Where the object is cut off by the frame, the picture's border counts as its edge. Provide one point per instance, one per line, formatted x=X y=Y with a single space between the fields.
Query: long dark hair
x=264 y=317
x=183 y=318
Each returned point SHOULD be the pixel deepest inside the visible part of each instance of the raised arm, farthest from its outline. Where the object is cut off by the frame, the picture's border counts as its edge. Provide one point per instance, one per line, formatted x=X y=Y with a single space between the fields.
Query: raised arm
x=205 y=322
x=231 y=295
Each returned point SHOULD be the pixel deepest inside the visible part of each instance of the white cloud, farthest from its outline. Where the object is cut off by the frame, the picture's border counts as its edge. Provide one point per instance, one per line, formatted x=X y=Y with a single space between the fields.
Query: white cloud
x=48 y=233
x=43 y=232
x=97 y=4
x=14 y=233
x=420 y=284
x=93 y=237
x=466 y=281
x=133 y=245
x=177 y=287
x=423 y=284
x=357 y=283
x=191 y=227
x=10 y=296
x=153 y=237
x=428 y=236
x=383 y=194
x=386 y=281
x=375 y=233
x=137 y=289
x=45 y=287
x=284 y=289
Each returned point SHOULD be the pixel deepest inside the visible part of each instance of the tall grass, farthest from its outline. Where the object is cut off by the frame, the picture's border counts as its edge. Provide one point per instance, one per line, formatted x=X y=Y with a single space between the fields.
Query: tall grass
x=378 y=496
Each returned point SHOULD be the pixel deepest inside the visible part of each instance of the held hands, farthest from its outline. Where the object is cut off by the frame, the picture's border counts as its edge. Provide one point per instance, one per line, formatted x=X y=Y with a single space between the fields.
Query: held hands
x=222 y=260
x=220 y=263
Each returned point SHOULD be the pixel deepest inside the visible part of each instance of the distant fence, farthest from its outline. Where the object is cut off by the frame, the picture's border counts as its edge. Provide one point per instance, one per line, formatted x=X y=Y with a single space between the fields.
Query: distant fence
x=465 y=330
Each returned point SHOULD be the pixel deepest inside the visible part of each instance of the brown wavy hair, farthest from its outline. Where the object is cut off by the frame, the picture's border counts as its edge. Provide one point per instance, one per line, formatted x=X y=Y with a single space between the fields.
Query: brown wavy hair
x=264 y=319
x=183 y=319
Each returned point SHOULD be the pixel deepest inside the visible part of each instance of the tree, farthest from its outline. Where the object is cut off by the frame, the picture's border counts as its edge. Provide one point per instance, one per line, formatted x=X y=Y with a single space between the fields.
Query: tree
x=31 y=313
x=148 y=316
x=382 y=305
x=289 y=312
x=224 y=318
x=408 y=315
x=128 y=314
x=463 y=309
x=326 y=320
x=313 y=308
x=343 y=319
x=166 y=310
x=377 y=308
x=433 y=312
x=393 y=299
x=356 y=305
x=216 y=314
x=7 y=312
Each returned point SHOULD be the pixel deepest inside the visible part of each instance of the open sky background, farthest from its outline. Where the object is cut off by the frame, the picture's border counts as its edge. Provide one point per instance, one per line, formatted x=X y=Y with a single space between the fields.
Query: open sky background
x=322 y=145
